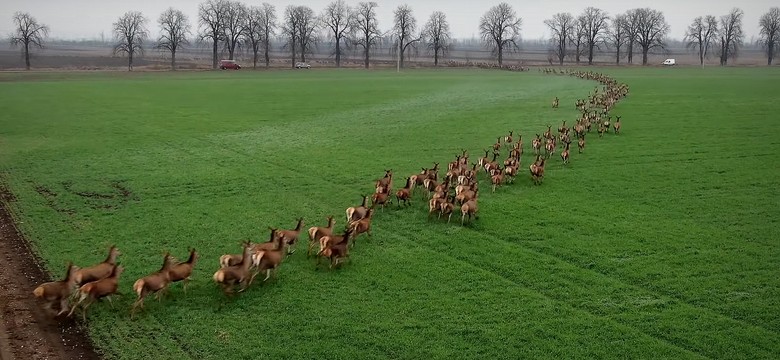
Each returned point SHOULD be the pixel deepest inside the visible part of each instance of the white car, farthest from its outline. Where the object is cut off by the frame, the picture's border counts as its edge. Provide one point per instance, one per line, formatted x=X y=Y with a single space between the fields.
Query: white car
x=302 y=65
x=669 y=62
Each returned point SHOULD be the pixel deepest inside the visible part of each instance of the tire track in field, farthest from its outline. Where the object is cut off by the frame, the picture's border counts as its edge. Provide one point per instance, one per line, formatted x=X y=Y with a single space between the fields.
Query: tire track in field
x=685 y=349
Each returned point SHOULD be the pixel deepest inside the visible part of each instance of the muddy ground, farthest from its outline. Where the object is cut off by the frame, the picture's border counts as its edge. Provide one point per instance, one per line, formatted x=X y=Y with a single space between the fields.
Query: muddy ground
x=26 y=330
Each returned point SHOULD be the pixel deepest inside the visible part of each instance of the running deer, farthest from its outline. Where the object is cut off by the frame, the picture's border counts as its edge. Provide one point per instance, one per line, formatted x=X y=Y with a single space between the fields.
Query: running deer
x=268 y=260
x=537 y=170
x=316 y=233
x=446 y=207
x=227 y=277
x=616 y=125
x=508 y=138
x=536 y=143
x=555 y=103
x=58 y=291
x=361 y=226
x=98 y=271
x=290 y=237
x=497 y=177
x=405 y=193
x=468 y=209
x=565 y=155
x=96 y=290
x=357 y=212
x=152 y=283
x=497 y=145
x=182 y=271
x=581 y=143
x=336 y=252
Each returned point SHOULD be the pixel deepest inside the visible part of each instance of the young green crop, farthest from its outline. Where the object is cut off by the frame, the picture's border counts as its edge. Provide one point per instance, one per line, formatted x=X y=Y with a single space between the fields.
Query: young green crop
x=660 y=242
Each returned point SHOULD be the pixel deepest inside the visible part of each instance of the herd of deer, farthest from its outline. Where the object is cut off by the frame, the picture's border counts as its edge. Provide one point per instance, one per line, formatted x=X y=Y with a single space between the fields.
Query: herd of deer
x=459 y=188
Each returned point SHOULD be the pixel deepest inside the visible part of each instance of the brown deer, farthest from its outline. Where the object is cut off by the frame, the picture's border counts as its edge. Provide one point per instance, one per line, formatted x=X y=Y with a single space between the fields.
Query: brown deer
x=468 y=209
x=548 y=134
x=565 y=155
x=405 y=193
x=511 y=172
x=602 y=130
x=97 y=290
x=227 y=277
x=483 y=160
x=58 y=291
x=555 y=103
x=536 y=143
x=152 y=283
x=508 y=138
x=549 y=148
x=581 y=143
x=268 y=260
x=497 y=177
x=616 y=125
x=316 y=233
x=98 y=271
x=336 y=252
x=182 y=271
x=357 y=212
x=290 y=237
x=497 y=145
x=434 y=205
x=361 y=226
x=234 y=259
x=537 y=170
x=378 y=199
x=446 y=207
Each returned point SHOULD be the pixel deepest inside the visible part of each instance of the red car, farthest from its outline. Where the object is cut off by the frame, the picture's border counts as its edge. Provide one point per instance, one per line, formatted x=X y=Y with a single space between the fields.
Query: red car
x=229 y=64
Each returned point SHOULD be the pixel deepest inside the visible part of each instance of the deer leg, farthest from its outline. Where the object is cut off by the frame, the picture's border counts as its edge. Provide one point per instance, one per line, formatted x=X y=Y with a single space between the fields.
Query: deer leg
x=267 y=274
x=63 y=306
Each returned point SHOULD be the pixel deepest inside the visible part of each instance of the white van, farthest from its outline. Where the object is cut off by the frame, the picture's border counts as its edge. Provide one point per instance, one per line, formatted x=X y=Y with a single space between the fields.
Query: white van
x=669 y=62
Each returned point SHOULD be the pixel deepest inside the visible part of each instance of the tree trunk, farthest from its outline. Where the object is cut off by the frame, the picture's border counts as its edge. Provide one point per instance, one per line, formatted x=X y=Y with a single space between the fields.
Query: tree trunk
x=435 y=56
x=214 y=60
x=231 y=49
x=631 y=51
x=254 y=58
x=401 y=56
x=293 y=54
x=367 y=56
x=577 y=54
x=27 y=55
x=173 y=60
x=617 y=55
x=500 y=54
x=645 y=50
x=338 y=52
x=130 y=60
x=701 y=55
x=267 y=58
x=590 y=54
x=771 y=53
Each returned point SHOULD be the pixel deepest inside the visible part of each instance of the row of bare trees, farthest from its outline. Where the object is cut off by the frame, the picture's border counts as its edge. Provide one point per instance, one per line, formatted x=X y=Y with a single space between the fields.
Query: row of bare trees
x=229 y=25
x=642 y=28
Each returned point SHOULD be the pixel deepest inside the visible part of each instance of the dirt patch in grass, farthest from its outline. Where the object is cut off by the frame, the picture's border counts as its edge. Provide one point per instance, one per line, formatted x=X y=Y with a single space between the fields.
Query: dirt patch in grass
x=26 y=331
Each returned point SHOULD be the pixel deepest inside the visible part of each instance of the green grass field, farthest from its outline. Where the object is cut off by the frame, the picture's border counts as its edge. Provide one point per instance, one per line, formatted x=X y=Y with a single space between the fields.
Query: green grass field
x=658 y=243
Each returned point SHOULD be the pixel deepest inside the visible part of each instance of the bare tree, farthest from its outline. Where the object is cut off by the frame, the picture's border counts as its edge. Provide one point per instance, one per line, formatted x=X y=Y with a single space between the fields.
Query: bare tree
x=254 y=32
x=307 y=29
x=701 y=34
x=577 y=39
x=500 y=27
x=175 y=27
x=595 y=24
x=652 y=28
x=130 y=32
x=731 y=35
x=27 y=32
x=561 y=25
x=211 y=16
x=617 y=35
x=290 y=29
x=366 y=27
x=770 y=32
x=234 y=26
x=337 y=17
x=437 y=35
x=405 y=28
x=631 y=30
x=260 y=24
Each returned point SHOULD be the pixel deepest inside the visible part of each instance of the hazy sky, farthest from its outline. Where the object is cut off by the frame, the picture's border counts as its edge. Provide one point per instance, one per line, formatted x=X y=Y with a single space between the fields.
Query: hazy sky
x=75 y=19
